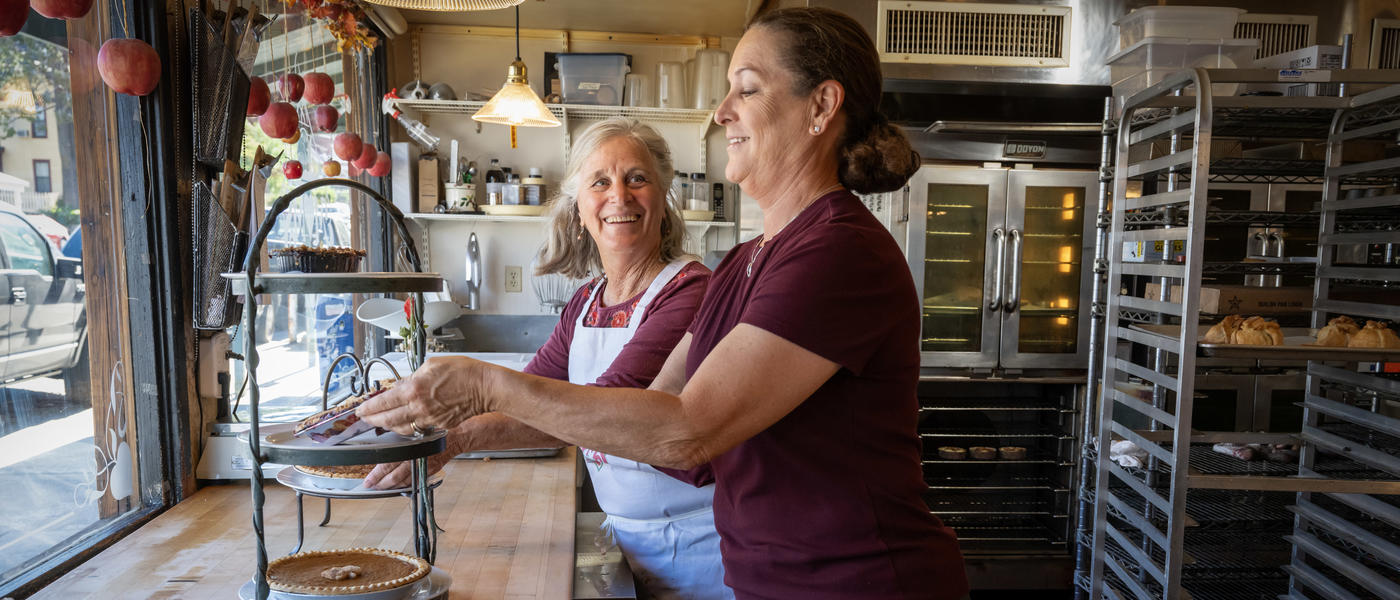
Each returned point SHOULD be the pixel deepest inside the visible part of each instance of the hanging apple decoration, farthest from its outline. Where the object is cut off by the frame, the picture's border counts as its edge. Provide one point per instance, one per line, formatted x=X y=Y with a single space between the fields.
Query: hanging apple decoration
x=258 y=96
x=291 y=87
x=319 y=88
x=294 y=138
x=279 y=121
x=292 y=169
x=382 y=163
x=326 y=118
x=367 y=155
x=13 y=14
x=129 y=66
x=348 y=146
x=62 y=9
x=355 y=171
x=331 y=168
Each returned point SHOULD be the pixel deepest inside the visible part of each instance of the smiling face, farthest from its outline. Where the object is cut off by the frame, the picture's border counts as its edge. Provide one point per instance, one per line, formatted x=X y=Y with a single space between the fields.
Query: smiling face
x=621 y=201
x=765 y=122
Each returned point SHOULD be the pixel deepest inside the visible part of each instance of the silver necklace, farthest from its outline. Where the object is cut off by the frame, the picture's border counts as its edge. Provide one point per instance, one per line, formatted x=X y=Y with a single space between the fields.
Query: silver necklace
x=748 y=272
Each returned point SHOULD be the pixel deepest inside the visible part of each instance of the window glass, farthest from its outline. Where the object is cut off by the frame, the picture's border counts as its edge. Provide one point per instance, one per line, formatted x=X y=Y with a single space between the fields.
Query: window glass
x=68 y=460
x=23 y=246
x=43 y=179
x=298 y=336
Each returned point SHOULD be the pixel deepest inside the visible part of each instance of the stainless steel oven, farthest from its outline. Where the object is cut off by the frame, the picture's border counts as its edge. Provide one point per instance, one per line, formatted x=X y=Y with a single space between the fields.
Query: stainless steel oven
x=998 y=257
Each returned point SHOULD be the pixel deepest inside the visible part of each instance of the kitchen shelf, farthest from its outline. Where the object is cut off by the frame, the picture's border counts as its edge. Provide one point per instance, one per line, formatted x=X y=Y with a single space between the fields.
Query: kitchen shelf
x=431 y=217
x=567 y=111
x=336 y=283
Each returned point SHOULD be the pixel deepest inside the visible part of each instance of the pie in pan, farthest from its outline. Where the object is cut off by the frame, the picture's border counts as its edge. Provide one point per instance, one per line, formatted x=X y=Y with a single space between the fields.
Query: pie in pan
x=344 y=572
x=338 y=472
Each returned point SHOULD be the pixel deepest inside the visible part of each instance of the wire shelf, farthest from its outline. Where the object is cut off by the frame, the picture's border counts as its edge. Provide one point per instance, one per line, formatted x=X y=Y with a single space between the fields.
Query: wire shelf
x=572 y=111
x=1218 y=509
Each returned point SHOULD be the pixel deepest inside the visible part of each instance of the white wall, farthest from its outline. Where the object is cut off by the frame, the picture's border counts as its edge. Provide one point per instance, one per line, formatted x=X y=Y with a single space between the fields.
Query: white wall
x=478 y=64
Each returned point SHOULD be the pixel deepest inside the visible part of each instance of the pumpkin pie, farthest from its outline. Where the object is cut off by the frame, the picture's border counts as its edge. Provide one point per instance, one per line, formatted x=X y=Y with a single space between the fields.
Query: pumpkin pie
x=342 y=572
x=338 y=472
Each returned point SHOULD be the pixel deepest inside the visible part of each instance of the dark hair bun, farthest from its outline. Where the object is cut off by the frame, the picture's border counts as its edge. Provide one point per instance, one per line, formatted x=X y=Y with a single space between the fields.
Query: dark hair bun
x=881 y=162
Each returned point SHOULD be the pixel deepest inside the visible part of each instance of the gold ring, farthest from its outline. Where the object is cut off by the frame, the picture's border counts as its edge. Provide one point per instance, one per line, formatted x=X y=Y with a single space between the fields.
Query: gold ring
x=419 y=430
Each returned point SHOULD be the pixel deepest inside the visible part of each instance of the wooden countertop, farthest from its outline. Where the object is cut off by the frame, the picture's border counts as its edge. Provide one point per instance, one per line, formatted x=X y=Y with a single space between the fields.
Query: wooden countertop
x=509 y=534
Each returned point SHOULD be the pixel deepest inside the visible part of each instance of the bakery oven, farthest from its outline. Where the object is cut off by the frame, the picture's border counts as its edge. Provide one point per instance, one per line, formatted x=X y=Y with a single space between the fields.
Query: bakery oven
x=999 y=460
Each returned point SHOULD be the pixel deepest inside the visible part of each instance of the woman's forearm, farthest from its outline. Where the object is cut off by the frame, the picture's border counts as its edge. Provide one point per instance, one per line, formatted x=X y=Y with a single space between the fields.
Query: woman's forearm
x=495 y=431
x=643 y=425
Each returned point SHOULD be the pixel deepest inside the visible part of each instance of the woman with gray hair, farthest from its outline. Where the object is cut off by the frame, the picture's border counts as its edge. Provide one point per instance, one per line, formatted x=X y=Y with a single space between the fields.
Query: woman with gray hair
x=611 y=219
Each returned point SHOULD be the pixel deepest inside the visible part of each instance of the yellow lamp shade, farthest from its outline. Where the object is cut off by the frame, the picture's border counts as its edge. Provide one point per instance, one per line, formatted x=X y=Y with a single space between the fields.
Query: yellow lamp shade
x=516 y=104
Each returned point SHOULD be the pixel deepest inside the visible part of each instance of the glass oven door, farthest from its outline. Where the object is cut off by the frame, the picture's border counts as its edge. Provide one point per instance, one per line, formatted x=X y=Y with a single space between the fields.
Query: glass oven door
x=956 y=245
x=1050 y=231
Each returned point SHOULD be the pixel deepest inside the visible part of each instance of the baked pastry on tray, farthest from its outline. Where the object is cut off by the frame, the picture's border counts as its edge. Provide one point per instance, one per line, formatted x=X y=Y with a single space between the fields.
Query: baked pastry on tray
x=343 y=572
x=1374 y=335
x=1338 y=332
x=1221 y=332
x=337 y=472
x=1258 y=331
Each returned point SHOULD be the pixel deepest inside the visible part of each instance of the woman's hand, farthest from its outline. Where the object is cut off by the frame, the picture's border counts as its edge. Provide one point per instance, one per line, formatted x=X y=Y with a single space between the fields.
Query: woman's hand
x=442 y=393
x=391 y=476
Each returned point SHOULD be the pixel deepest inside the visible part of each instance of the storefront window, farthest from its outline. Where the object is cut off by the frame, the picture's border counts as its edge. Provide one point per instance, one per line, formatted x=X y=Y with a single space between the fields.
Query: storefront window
x=299 y=336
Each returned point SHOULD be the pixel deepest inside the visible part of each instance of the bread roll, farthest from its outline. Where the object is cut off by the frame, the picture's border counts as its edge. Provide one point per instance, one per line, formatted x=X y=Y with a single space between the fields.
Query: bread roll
x=1337 y=333
x=1258 y=331
x=1374 y=335
x=1222 y=332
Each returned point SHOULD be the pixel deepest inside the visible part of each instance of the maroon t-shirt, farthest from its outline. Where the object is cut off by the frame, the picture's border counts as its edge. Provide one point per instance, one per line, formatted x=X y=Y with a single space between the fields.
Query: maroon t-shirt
x=662 y=326
x=826 y=502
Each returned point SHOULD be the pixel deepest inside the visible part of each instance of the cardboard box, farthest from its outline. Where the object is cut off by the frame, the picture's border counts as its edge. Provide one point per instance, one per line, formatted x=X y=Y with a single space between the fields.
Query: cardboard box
x=1312 y=57
x=429 y=184
x=1245 y=300
x=1137 y=252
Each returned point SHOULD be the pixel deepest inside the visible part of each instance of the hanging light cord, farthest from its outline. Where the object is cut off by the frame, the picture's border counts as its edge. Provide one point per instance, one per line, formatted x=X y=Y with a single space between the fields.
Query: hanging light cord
x=517 y=32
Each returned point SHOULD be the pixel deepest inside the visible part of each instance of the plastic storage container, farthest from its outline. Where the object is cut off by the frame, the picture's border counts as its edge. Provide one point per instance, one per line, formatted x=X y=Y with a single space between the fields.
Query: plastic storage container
x=589 y=78
x=1152 y=60
x=1177 y=21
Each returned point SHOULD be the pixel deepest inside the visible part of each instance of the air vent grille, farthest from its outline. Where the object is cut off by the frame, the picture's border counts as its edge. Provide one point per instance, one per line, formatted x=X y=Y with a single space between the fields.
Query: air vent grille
x=974 y=34
x=1385 y=43
x=1276 y=37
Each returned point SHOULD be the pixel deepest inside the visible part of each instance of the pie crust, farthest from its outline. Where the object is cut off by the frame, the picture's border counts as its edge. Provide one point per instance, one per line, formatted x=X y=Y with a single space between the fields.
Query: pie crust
x=380 y=570
x=338 y=472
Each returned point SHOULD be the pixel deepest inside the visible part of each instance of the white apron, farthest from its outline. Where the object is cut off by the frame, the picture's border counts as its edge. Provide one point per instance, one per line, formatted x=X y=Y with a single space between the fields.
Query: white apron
x=665 y=527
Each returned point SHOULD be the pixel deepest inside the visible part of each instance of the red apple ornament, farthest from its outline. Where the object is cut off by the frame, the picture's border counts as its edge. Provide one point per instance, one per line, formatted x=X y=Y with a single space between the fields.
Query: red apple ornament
x=292 y=169
x=62 y=9
x=326 y=118
x=258 y=97
x=13 y=14
x=319 y=88
x=348 y=146
x=280 y=120
x=291 y=86
x=367 y=156
x=382 y=163
x=129 y=66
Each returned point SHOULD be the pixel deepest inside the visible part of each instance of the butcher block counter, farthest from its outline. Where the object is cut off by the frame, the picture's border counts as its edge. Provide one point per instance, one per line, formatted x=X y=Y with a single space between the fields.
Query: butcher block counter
x=509 y=534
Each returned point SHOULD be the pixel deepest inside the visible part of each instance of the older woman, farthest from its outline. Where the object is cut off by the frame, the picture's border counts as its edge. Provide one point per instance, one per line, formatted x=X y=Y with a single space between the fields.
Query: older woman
x=612 y=216
x=796 y=382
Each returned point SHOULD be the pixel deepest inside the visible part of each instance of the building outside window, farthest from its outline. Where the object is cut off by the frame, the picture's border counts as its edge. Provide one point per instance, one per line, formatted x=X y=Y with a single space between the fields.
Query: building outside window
x=39 y=125
x=43 y=180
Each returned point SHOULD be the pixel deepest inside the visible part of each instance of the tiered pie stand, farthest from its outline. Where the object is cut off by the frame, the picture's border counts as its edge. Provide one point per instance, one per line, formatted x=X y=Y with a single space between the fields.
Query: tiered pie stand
x=277 y=444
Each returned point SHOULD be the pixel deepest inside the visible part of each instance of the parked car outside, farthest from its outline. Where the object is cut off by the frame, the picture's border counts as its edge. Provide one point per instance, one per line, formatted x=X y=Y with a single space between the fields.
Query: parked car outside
x=43 y=319
x=56 y=233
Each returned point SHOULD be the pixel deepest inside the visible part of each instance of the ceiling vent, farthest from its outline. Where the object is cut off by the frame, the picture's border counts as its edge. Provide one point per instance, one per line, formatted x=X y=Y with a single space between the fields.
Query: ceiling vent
x=1385 y=44
x=1277 y=33
x=962 y=33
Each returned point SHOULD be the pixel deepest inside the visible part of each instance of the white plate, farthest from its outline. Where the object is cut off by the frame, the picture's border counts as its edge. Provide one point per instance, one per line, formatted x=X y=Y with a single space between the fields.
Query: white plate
x=280 y=436
x=434 y=586
x=340 y=487
x=515 y=210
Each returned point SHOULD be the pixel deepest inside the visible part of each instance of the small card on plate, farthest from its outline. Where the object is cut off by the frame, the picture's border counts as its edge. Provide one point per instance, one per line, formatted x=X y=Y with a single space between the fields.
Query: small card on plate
x=338 y=423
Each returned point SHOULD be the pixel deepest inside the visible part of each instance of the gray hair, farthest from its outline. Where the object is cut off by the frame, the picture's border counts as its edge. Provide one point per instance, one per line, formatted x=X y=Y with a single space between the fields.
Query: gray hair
x=569 y=250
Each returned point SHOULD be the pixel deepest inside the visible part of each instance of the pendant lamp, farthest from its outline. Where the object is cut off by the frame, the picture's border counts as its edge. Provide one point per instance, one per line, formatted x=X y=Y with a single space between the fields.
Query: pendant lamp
x=448 y=5
x=516 y=104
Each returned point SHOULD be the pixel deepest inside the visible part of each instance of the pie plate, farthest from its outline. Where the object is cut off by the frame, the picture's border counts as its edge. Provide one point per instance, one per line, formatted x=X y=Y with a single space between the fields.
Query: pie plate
x=340 y=487
x=432 y=587
x=280 y=446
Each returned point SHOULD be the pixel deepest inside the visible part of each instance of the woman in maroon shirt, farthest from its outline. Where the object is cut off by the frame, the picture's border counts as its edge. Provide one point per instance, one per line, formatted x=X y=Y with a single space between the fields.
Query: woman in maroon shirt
x=796 y=381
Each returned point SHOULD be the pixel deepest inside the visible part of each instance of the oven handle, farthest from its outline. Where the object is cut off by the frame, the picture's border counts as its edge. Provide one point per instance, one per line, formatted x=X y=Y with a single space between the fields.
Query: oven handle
x=998 y=238
x=1013 y=295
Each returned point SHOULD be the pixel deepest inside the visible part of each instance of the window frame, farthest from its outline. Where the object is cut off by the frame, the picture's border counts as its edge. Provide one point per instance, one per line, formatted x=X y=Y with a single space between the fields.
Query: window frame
x=39 y=125
x=48 y=178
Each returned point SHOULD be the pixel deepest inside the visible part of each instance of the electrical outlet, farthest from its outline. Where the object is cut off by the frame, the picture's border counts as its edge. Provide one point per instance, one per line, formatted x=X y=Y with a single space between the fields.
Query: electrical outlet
x=513 y=277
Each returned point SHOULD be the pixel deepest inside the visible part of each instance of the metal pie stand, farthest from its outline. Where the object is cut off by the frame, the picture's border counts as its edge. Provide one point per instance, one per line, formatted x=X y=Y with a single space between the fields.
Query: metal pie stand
x=283 y=448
